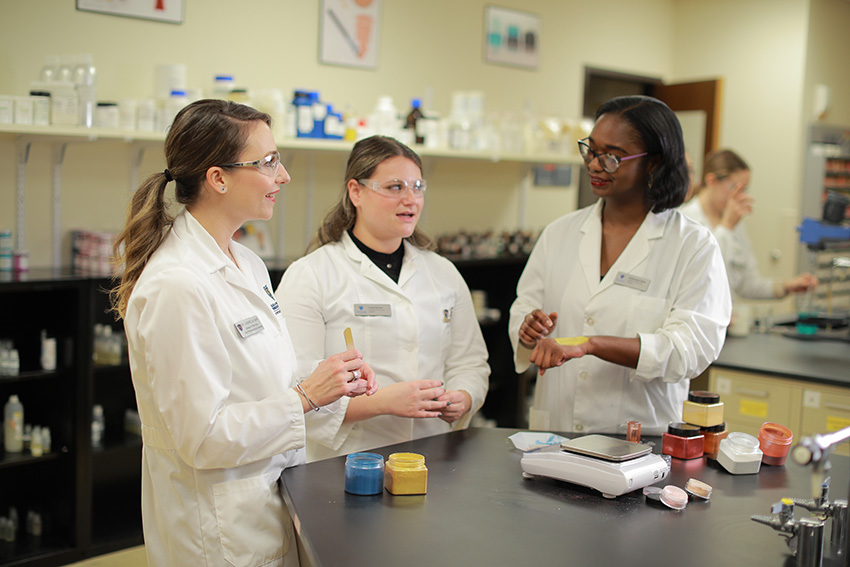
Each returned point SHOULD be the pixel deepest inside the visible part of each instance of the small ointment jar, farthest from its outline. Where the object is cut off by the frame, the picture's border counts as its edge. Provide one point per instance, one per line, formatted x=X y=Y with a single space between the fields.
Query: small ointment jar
x=405 y=473
x=364 y=473
x=713 y=435
x=774 y=442
x=739 y=453
x=702 y=408
x=683 y=441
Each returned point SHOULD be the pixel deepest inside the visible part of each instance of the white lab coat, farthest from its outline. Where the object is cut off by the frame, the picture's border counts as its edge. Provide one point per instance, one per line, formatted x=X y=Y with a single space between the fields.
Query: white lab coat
x=431 y=333
x=681 y=320
x=741 y=264
x=219 y=419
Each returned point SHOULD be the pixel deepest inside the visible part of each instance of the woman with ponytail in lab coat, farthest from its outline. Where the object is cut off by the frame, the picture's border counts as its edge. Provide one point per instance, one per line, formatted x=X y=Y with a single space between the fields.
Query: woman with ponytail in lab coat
x=409 y=309
x=210 y=355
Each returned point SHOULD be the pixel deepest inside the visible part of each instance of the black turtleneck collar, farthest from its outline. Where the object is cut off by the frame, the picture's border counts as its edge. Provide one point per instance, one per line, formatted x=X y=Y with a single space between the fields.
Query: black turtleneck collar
x=390 y=264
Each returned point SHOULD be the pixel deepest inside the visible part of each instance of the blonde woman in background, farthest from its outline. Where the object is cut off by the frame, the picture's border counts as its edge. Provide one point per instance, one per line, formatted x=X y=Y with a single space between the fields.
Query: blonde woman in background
x=210 y=355
x=409 y=309
x=720 y=203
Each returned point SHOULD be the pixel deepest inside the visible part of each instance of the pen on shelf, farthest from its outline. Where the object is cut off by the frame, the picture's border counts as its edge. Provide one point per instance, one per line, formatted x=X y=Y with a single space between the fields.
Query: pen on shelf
x=349 y=339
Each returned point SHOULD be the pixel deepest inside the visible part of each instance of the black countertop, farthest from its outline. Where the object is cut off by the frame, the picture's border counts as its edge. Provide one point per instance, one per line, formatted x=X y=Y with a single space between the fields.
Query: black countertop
x=824 y=361
x=480 y=511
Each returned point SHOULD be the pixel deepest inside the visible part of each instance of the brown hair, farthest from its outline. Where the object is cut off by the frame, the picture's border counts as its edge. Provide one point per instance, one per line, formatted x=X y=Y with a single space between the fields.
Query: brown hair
x=365 y=157
x=204 y=134
x=722 y=163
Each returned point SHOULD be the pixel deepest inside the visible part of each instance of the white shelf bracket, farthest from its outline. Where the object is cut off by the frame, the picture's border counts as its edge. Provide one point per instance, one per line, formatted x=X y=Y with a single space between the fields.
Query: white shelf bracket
x=58 y=160
x=137 y=154
x=21 y=193
x=524 y=187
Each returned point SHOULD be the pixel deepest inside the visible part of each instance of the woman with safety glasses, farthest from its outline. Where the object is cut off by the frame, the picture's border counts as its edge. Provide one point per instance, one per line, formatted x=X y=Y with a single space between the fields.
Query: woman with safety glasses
x=623 y=302
x=721 y=202
x=211 y=359
x=409 y=310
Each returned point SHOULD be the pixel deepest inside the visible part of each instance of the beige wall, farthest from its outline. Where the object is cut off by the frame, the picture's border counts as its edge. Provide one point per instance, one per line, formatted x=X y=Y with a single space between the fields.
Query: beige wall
x=437 y=49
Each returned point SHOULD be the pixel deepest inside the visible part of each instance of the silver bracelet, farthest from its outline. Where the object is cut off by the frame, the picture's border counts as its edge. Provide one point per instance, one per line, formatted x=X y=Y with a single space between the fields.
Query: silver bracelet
x=303 y=393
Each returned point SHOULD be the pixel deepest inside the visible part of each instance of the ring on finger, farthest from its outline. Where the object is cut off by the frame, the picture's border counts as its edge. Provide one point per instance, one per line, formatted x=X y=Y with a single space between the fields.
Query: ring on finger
x=357 y=374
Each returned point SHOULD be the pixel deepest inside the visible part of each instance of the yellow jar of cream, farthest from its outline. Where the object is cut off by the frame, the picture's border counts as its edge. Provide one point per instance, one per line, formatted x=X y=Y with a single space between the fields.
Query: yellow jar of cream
x=406 y=473
x=703 y=408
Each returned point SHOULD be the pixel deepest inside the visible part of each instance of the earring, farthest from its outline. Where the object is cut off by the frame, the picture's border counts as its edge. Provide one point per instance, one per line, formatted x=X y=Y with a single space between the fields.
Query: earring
x=223 y=189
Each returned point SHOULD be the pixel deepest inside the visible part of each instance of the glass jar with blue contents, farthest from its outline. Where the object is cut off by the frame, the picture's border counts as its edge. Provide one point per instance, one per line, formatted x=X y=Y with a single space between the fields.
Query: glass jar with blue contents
x=364 y=473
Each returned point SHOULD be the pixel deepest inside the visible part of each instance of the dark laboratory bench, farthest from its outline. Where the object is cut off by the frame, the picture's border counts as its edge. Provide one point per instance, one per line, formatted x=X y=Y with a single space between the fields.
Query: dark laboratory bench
x=479 y=511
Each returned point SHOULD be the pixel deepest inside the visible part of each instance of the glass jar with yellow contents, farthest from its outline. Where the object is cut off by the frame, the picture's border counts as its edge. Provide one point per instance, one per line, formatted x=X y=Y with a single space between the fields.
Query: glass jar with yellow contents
x=406 y=473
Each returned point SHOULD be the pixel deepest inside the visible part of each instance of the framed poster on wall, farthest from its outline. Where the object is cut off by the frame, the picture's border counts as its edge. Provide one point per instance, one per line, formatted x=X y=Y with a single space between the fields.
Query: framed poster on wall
x=349 y=32
x=170 y=11
x=511 y=37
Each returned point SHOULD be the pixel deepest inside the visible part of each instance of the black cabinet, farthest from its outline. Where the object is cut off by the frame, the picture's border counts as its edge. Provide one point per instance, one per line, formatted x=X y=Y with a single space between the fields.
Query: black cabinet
x=87 y=499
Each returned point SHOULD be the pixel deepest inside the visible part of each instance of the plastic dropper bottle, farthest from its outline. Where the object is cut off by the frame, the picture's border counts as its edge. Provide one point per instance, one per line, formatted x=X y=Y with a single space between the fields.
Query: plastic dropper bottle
x=85 y=79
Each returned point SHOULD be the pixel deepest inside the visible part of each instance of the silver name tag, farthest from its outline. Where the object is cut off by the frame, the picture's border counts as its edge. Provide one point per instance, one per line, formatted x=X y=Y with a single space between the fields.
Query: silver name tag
x=634 y=282
x=372 y=310
x=248 y=327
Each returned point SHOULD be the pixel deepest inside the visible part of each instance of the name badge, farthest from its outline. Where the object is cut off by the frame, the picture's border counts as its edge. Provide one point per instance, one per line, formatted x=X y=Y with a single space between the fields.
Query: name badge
x=634 y=282
x=372 y=310
x=248 y=327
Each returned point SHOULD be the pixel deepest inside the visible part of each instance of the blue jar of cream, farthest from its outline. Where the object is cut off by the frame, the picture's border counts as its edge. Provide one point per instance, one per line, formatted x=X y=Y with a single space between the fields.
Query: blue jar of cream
x=364 y=473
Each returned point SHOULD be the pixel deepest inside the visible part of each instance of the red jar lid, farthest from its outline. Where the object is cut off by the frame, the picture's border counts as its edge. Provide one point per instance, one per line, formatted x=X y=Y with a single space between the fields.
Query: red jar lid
x=683 y=429
x=703 y=397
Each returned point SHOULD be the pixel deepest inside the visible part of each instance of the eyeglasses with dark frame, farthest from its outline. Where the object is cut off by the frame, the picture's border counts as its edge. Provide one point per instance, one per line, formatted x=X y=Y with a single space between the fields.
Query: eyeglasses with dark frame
x=609 y=162
x=267 y=165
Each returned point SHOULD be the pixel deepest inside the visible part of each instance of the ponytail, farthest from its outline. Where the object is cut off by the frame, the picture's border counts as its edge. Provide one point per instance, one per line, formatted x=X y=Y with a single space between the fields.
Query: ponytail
x=147 y=223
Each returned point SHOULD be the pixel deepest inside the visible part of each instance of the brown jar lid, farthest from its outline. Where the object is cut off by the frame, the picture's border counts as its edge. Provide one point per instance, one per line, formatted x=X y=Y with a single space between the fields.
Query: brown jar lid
x=683 y=429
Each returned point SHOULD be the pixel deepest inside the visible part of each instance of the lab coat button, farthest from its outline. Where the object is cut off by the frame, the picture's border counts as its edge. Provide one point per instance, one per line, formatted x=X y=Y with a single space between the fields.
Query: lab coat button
x=583 y=375
x=579 y=427
x=590 y=321
x=411 y=347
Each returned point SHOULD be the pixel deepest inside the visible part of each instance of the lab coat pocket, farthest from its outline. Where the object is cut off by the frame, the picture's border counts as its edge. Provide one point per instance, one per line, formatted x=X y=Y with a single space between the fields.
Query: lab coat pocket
x=646 y=315
x=251 y=521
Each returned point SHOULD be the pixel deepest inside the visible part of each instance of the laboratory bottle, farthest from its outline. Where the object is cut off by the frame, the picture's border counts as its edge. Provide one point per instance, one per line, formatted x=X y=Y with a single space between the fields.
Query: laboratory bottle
x=46 y=441
x=36 y=446
x=174 y=104
x=222 y=85
x=412 y=121
x=385 y=117
x=98 y=426
x=13 y=425
x=65 y=71
x=320 y=113
x=85 y=78
x=49 y=71
x=303 y=114
x=13 y=363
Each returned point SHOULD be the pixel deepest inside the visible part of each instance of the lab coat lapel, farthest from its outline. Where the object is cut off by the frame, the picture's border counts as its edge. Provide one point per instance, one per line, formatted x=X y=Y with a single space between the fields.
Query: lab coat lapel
x=637 y=249
x=369 y=270
x=590 y=247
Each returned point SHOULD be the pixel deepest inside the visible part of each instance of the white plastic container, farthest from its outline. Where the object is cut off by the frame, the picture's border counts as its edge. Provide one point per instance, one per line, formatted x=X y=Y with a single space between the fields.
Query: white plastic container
x=65 y=70
x=50 y=69
x=173 y=105
x=7 y=109
x=146 y=115
x=40 y=107
x=97 y=426
x=128 y=113
x=222 y=85
x=739 y=453
x=107 y=115
x=13 y=425
x=23 y=110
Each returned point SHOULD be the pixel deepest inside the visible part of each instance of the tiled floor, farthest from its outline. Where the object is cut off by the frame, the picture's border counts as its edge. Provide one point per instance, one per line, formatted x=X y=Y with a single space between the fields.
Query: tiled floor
x=133 y=557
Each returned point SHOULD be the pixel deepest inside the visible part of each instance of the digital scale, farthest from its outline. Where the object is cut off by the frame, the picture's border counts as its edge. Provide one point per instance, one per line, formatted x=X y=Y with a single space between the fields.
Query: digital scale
x=611 y=466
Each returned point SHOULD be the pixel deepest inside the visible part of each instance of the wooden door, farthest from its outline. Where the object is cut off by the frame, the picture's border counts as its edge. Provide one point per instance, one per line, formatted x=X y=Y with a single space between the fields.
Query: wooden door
x=705 y=96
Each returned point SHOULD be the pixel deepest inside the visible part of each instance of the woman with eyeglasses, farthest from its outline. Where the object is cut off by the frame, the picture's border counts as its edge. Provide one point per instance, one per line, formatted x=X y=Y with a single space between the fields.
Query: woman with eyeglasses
x=720 y=203
x=211 y=359
x=409 y=309
x=623 y=302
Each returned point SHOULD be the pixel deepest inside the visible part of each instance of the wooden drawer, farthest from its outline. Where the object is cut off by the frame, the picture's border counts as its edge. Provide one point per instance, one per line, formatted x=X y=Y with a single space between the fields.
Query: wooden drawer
x=750 y=400
x=824 y=410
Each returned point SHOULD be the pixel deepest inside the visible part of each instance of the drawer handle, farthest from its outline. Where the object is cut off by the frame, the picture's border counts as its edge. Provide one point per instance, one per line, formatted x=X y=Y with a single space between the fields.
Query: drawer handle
x=753 y=393
x=832 y=405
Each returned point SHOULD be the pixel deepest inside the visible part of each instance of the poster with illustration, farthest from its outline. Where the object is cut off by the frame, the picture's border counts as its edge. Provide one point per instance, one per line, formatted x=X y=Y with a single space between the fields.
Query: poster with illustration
x=170 y=11
x=349 y=33
x=511 y=37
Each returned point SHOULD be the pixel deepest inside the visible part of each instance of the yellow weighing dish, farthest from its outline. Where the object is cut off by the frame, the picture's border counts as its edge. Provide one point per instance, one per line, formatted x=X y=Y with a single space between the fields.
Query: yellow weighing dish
x=406 y=473
x=571 y=341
